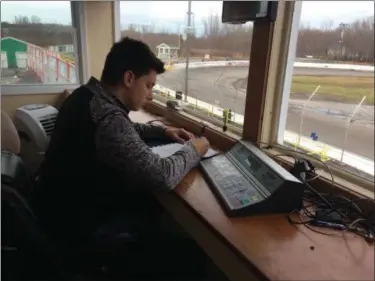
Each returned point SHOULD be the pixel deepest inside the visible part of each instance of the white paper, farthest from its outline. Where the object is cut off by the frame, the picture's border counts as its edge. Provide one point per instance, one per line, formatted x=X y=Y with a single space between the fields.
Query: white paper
x=170 y=149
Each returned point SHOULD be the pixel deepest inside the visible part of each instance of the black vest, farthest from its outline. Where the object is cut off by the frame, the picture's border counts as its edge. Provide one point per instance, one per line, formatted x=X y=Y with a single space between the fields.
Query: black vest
x=75 y=193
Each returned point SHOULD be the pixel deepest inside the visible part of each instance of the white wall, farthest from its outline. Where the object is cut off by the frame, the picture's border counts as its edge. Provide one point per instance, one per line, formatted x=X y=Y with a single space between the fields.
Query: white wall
x=21 y=59
x=4 y=60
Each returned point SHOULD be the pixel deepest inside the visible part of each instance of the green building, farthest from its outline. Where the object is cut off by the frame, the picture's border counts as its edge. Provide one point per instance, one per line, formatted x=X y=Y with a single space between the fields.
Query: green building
x=13 y=53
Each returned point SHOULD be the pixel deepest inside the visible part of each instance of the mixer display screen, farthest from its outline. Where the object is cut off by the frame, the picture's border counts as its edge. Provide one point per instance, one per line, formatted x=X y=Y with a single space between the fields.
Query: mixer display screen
x=253 y=163
x=260 y=171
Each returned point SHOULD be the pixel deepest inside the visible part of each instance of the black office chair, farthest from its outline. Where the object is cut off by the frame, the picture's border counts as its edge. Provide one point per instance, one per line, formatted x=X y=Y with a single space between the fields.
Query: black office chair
x=29 y=254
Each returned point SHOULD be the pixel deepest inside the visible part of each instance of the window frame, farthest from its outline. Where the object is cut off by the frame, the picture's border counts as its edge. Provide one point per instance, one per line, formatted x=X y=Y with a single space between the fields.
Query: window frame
x=116 y=20
x=272 y=112
x=79 y=23
x=79 y=42
x=291 y=37
x=290 y=34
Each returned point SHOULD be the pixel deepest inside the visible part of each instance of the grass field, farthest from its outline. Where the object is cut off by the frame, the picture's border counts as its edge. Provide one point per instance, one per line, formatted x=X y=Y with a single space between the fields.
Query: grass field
x=335 y=88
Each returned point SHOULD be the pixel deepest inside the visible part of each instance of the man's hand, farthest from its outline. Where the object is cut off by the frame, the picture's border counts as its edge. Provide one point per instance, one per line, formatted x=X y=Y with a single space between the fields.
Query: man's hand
x=179 y=135
x=202 y=145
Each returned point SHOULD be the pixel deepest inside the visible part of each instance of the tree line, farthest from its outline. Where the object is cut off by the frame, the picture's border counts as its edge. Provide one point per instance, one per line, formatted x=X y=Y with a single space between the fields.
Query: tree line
x=353 y=41
x=345 y=42
x=217 y=40
x=34 y=31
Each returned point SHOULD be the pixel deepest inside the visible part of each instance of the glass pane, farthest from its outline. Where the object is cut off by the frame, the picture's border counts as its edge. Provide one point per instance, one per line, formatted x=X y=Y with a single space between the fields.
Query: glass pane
x=217 y=56
x=37 y=43
x=331 y=105
x=150 y=22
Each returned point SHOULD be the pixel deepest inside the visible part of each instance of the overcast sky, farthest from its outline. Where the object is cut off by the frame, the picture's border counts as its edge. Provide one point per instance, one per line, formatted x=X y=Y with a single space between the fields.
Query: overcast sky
x=172 y=14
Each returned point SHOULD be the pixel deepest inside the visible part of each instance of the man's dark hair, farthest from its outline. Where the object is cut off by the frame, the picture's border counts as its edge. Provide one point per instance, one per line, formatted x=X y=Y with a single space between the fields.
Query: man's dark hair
x=129 y=55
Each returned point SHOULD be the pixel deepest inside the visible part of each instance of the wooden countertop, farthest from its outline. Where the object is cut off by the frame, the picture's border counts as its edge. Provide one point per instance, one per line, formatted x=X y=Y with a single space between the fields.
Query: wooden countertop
x=278 y=250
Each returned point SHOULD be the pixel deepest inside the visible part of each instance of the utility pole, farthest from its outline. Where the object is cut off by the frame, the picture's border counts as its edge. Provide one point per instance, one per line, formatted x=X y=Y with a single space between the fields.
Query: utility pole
x=342 y=26
x=187 y=48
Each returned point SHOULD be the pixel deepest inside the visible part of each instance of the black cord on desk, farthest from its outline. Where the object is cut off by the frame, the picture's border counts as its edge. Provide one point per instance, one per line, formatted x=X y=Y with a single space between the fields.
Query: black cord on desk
x=348 y=215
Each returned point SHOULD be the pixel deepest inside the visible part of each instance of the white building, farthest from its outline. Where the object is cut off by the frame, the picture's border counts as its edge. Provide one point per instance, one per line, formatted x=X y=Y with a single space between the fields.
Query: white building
x=167 y=53
x=62 y=48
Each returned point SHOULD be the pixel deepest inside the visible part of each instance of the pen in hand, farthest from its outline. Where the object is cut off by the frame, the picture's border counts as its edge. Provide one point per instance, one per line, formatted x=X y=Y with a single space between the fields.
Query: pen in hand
x=203 y=130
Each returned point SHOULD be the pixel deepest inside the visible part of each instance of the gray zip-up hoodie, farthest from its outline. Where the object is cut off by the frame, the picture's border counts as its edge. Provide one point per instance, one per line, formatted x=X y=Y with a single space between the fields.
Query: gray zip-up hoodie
x=98 y=161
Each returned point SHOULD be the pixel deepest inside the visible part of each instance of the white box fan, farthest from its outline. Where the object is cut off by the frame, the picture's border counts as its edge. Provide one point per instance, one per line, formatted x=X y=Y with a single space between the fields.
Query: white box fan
x=35 y=124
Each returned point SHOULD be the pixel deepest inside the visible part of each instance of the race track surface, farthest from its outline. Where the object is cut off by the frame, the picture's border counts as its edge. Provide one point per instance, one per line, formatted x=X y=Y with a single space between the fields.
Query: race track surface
x=216 y=85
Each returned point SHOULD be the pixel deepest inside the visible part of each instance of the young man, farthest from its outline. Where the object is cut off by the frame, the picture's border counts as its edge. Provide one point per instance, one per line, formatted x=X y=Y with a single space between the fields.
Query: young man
x=98 y=166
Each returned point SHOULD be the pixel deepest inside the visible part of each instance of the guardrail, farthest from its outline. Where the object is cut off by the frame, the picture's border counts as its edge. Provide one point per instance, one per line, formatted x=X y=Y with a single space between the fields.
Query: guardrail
x=351 y=159
x=49 y=67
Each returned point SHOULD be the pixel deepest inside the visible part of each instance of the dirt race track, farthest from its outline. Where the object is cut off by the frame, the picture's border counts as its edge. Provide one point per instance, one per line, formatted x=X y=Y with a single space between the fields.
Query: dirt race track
x=327 y=119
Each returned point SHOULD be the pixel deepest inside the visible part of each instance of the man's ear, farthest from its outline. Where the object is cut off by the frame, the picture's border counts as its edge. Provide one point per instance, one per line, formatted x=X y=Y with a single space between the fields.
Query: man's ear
x=129 y=78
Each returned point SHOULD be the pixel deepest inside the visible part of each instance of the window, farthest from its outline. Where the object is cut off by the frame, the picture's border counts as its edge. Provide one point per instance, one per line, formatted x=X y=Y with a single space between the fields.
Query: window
x=38 y=43
x=191 y=32
x=330 y=110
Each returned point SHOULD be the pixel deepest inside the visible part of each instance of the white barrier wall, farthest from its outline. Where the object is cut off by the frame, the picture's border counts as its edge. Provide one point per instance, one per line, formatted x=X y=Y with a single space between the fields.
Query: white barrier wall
x=52 y=69
x=296 y=64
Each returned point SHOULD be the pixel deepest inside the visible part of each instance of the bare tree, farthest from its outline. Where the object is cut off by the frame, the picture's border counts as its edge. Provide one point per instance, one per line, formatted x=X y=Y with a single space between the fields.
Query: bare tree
x=228 y=40
x=220 y=40
x=35 y=20
x=21 y=20
x=354 y=41
x=327 y=25
x=212 y=26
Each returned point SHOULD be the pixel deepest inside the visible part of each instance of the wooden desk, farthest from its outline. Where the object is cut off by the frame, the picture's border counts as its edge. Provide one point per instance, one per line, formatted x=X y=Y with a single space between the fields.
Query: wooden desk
x=263 y=247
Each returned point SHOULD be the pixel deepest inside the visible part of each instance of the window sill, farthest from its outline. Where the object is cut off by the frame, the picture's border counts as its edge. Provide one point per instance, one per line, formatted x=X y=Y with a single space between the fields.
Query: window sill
x=339 y=182
x=346 y=176
x=222 y=141
x=353 y=188
x=346 y=180
x=200 y=115
x=32 y=89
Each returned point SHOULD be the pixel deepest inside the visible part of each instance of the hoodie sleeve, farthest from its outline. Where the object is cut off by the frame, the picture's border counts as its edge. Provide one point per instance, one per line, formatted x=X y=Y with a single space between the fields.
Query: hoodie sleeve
x=119 y=145
x=148 y=131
